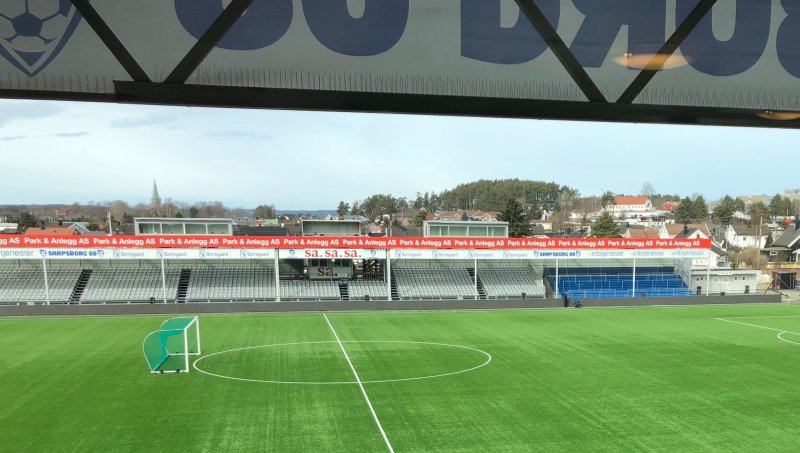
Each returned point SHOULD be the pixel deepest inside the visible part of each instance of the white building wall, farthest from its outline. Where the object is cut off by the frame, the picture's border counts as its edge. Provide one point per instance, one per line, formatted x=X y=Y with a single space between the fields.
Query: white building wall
x=744 y=241
x=727 y=281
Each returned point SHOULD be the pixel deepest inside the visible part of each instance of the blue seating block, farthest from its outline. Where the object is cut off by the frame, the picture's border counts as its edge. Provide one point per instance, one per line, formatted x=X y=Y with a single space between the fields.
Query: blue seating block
x=615 y=282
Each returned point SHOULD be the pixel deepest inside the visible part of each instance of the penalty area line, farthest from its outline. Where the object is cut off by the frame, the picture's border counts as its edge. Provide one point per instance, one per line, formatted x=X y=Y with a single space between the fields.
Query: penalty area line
x=360 y=385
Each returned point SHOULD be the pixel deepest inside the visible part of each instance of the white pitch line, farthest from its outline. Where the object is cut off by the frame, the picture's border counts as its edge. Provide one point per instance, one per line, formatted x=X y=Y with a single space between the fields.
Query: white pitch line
x=360 y=385
x=756 y=325
x=780 y=337
x=780 y=331
x=758 y=317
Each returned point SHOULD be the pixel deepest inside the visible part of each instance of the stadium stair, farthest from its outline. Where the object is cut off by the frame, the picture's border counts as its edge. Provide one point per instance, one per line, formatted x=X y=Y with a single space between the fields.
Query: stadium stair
x=183 y=285
x=481 y=289
x=548 y=287
x=395 y=292
x=80 y=285
x=343 y=292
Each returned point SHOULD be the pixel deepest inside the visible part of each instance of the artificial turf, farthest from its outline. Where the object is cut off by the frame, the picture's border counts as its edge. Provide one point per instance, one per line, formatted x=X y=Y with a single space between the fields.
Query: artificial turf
x=637 y=379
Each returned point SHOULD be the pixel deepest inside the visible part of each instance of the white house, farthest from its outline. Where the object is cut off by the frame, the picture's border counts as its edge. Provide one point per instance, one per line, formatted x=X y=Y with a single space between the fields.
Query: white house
x=654 y=219
x=746 y=236
x=741 y=215
x=590 y=214
x=8 y=227
x=630 y=204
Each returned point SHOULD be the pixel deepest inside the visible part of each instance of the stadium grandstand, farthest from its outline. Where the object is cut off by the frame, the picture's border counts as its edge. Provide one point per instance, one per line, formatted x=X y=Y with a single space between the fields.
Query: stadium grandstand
x=274 y=269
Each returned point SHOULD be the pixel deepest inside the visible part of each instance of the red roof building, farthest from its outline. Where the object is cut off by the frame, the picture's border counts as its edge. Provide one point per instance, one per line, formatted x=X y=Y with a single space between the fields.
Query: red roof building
x=59 y=231
x=669 y=206
x=624 y=204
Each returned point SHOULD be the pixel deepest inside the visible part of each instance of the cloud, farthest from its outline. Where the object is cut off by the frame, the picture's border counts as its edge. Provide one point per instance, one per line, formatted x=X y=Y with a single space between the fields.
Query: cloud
x=241 y=134
x=58 y=135
x=11 y=111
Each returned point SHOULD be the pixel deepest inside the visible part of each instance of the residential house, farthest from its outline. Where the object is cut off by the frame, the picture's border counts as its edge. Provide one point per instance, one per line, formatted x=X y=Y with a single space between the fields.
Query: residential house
x=547 y=225
x=652 y=219
x=630 y=204
x=743 y=236
x=640 y=233
x=691 y=230
x=669 y=206
x=55 y=231
x=537 y=231
x=591 y=214
x=717 y=232
x=472 y=214
x=784 y=249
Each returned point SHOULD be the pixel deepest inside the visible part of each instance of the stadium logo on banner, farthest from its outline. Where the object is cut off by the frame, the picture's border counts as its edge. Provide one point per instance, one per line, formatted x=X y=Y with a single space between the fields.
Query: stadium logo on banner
x=32 y=34
x=43 y=253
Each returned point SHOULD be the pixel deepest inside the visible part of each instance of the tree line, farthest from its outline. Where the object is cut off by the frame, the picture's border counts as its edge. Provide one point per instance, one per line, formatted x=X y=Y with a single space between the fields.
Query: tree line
x=482 y=195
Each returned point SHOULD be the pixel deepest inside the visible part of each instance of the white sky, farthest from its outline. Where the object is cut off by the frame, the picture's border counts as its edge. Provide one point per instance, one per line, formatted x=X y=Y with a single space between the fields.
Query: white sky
x=59 y=152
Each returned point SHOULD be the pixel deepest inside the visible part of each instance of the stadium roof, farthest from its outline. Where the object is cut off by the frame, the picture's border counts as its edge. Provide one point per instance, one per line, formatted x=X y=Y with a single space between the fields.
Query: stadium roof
x=596 y=61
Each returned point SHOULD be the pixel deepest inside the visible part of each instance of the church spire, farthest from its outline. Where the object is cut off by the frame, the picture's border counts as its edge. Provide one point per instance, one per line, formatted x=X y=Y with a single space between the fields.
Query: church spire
x=155 y=200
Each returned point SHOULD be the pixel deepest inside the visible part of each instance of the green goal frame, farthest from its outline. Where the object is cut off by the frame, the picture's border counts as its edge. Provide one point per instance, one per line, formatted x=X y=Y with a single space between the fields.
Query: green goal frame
x=167 y=350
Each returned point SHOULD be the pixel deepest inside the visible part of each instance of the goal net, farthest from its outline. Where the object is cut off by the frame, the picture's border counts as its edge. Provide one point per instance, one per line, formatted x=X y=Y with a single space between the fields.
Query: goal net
x=167 y=350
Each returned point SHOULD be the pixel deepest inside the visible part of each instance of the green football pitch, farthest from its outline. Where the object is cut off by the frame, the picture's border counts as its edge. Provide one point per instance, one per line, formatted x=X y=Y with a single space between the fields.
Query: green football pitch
x=704 y=378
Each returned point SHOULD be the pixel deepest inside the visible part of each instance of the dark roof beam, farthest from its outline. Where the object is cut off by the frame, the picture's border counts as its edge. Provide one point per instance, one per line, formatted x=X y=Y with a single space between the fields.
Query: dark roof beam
x=561 y=51
x=666 y=51
x=206 y=43
x=111 y=41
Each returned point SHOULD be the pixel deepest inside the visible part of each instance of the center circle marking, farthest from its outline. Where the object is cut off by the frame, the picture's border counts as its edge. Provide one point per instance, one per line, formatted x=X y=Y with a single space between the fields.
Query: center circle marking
x=416 y=378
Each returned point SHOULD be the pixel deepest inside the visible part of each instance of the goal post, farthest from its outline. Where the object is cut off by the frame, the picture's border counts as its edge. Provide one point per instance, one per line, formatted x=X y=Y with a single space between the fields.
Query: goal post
x=167 y=350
